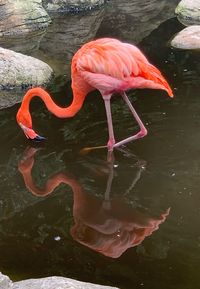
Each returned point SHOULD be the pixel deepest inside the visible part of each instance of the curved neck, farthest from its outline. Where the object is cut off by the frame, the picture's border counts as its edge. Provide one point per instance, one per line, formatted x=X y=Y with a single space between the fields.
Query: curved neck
x=62 y=112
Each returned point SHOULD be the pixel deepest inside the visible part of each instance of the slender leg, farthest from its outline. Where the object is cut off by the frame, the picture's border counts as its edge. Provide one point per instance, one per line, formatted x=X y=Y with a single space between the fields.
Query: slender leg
x=143 y=130
x=111 y=140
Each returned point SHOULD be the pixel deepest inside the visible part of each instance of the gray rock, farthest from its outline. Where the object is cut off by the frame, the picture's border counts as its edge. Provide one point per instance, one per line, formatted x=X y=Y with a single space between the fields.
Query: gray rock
x=142 y=17
x=188 y=12
x=48 y=283
x=27 y=44
x=68 y=32
x=22 y=17
x=71 y=5
x=56 y=283
x=188 y=38
x=10 y=97
x=22 y=22
x=17 y=70
x=65 y=36
x=5 y=282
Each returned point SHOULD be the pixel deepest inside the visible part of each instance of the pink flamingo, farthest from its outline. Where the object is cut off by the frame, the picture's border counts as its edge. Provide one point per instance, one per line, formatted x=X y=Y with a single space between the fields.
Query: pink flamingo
x=109 y=66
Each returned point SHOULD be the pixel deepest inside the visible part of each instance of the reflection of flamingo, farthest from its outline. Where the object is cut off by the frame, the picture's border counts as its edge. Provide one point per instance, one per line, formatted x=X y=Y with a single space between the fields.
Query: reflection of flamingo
x=109 y=66
x=108 y=229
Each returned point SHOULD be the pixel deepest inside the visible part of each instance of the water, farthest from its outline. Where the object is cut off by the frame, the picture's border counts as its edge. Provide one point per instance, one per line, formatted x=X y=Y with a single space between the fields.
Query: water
x=133 y=223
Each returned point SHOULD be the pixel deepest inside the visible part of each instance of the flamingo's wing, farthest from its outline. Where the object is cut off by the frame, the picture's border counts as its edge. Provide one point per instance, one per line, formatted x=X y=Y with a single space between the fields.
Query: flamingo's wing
x=108 y=85
x=112 y=58
x=111 y=61
x=104 y=83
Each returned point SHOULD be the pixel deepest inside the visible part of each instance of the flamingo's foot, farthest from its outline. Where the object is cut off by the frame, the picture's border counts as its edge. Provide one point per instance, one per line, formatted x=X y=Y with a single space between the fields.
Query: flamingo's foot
x=31 y=134
x=110 y=145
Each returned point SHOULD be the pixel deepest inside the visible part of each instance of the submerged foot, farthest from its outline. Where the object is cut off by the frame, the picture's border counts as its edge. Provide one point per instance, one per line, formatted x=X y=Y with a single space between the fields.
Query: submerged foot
x=110 y=145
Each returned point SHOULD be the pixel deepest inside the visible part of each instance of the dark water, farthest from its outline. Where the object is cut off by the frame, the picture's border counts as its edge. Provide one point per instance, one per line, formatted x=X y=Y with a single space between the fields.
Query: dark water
x=133 y=223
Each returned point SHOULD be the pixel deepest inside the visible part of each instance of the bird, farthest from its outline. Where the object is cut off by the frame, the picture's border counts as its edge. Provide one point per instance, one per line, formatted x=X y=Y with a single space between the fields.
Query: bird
x=109 y=66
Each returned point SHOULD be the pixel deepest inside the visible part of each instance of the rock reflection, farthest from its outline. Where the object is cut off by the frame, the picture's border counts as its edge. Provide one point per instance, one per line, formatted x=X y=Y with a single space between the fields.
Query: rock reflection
x=108 y=226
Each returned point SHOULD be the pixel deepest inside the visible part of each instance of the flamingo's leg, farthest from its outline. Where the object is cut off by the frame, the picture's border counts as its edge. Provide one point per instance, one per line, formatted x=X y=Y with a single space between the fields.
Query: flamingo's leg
x=111 y=140
x=143 y=130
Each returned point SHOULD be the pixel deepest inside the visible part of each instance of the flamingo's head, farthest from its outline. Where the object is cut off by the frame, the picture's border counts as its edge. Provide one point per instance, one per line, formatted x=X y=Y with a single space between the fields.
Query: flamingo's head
x=25 y=122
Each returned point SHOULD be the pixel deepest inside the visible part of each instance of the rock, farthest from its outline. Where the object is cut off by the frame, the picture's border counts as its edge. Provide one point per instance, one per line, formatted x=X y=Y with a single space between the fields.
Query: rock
x=188 y=12
x=18 y=71
x=71 y=5
x=65 y=36
x=48 y=283
x=10 y=97
x=5 y=282
x=52 y=283
x=142 y=18
x=24 y=44
x=188 y=38
x=22 y=24
x=22 y=17
x=68 y=32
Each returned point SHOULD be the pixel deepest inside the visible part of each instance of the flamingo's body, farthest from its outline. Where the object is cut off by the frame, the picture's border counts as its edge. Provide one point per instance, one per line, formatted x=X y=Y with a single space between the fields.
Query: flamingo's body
x=108 y=65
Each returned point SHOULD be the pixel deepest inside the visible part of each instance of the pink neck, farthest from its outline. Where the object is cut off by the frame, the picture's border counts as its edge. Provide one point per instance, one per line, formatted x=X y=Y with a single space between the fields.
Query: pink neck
x=58 y=111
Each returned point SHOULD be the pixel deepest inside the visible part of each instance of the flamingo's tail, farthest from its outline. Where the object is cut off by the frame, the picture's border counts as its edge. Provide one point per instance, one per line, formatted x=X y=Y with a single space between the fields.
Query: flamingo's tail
x=150 y=72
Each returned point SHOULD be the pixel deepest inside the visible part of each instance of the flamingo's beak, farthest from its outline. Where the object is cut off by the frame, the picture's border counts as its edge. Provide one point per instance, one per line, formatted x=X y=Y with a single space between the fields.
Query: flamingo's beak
x=39 y=138
x=31 y=134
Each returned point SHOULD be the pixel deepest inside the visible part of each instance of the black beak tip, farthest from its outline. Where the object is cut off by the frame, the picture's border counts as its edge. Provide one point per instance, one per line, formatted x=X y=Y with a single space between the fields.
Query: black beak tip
x=39 y=138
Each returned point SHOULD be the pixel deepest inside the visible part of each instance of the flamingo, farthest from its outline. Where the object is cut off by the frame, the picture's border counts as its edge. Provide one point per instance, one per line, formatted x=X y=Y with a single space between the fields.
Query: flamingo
x=110 y=66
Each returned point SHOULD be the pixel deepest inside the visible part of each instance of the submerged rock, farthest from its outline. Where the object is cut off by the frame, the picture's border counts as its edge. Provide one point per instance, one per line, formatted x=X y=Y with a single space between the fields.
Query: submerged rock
x=19 y=71
x=73 y=6
x=188 y=38
x=188 y=12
